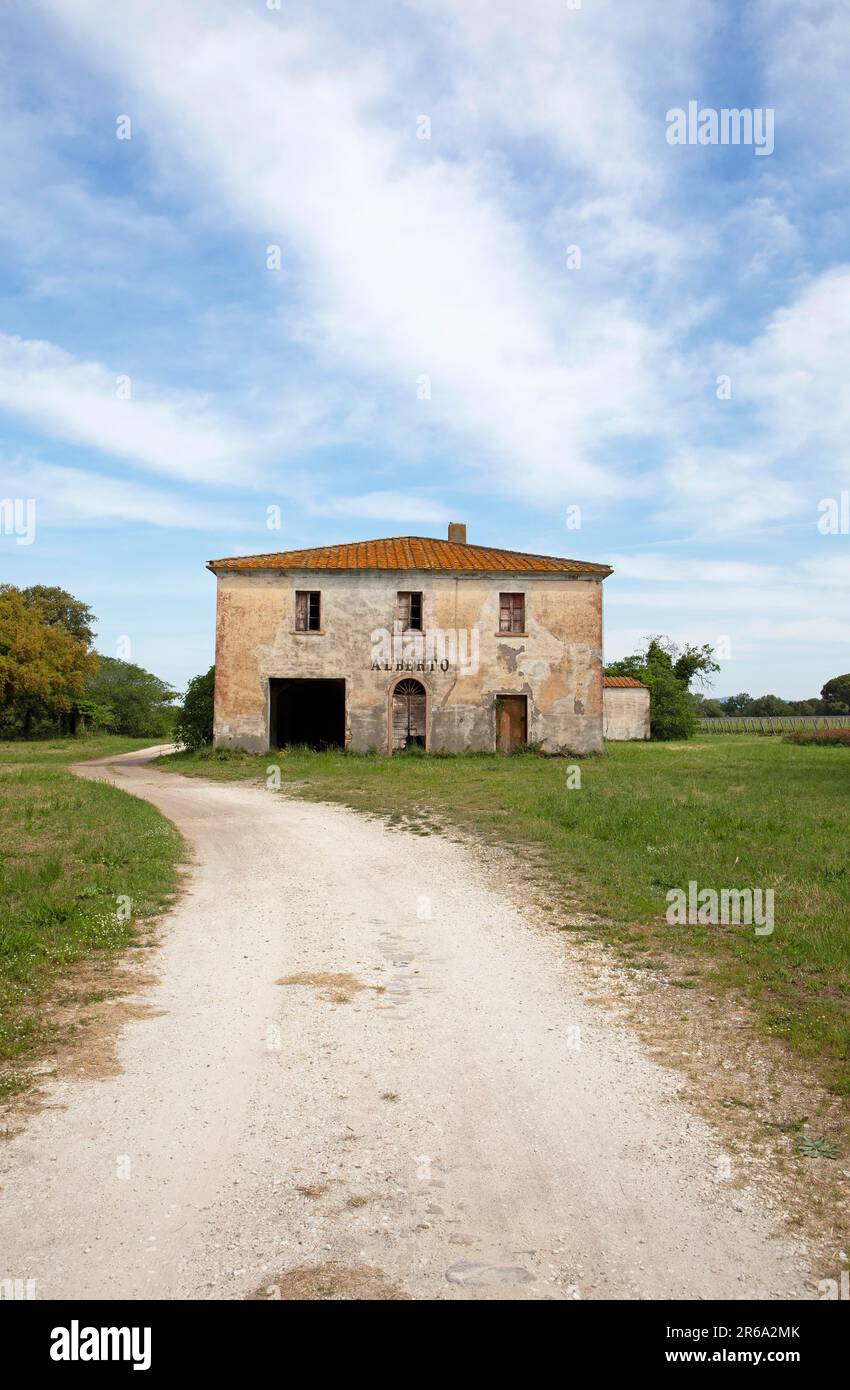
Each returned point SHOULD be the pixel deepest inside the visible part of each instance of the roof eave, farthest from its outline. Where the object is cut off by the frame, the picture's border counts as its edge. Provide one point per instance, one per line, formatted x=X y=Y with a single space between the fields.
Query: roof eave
x=235 y=567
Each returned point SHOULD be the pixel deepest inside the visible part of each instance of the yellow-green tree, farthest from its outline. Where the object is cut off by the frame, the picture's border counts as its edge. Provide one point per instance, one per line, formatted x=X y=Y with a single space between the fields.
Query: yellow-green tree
x=43 y=664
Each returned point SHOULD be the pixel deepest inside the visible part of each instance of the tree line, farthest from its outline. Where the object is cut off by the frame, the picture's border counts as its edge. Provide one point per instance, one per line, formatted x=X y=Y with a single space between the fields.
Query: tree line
x=834 y=699
x=52 y=681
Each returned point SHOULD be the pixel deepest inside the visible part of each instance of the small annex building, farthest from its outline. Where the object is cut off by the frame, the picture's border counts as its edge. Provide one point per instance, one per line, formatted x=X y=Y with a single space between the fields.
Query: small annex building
x=625 y=708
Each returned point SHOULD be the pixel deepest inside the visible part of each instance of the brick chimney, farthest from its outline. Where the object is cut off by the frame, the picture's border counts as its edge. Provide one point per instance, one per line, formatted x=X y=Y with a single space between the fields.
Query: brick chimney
x=457 y=532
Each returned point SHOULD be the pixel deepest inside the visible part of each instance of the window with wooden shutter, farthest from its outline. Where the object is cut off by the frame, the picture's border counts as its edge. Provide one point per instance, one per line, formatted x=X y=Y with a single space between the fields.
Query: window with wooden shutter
x=512 y=612
x=308 y=610
x=408 y=611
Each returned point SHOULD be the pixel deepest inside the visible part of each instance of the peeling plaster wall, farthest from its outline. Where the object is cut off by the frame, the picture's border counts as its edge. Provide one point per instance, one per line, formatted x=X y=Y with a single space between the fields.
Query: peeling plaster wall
x=557 y=663
x=626 y=713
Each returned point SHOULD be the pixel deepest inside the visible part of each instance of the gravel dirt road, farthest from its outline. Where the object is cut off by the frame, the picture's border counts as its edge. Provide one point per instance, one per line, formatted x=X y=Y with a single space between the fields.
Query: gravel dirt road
x=366 y=1073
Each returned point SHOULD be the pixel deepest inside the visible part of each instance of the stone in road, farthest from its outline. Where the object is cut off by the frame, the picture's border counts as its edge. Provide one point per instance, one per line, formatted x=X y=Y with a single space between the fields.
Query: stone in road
x=365 y=1068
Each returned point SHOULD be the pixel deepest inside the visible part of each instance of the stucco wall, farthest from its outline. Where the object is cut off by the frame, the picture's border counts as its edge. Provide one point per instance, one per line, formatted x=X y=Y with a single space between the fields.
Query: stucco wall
x=626 y=713
x=558 y=664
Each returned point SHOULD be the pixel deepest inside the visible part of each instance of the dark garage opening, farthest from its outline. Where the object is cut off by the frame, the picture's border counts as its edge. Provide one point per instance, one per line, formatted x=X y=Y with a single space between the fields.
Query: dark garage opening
x=307 y=711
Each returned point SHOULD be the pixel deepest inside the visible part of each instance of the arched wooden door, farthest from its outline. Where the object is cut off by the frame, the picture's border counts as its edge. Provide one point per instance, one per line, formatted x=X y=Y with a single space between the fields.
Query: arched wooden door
x=408 y=715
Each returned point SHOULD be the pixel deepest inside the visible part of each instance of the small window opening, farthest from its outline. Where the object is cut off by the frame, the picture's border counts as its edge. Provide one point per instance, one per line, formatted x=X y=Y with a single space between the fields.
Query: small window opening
x=512 y=612
x=308 y=610
x=408 y=611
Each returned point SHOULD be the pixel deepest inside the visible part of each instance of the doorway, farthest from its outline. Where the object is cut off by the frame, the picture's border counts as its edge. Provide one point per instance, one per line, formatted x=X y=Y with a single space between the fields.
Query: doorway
x=408 y=713
x=511 y=722
x=310 y=712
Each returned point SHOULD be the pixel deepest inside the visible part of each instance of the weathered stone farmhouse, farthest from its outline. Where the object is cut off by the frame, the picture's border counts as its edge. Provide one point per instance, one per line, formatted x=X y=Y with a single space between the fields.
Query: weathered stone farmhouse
x=388 y=643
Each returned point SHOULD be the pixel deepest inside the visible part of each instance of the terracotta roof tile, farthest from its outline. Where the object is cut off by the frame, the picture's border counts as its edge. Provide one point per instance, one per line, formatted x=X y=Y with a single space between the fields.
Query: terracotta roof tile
x=623 y=683
x=409 y=553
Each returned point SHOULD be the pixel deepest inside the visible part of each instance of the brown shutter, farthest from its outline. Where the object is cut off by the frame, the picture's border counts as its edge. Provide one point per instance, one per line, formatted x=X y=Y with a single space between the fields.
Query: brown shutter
x=512 y=612
x=402 y=611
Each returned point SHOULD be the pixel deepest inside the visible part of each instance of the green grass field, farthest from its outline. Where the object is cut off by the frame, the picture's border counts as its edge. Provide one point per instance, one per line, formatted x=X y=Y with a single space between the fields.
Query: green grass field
x=69 y=850
x=727 y=812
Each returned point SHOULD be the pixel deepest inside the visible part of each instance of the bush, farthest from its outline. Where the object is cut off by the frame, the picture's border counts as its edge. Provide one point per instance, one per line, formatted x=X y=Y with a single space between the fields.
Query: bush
x=193 y=727
x=839 y=738
x=672 y=713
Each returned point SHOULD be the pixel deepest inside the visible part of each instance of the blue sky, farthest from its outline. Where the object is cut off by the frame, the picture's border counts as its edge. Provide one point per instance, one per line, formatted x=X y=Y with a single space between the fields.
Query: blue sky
x=140 y=267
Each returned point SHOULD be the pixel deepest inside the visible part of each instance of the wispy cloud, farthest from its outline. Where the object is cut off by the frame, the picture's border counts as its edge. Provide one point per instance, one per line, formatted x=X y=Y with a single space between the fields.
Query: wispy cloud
x=72 y=497
x=686 y=570
x=409 y=263
x=103 y=407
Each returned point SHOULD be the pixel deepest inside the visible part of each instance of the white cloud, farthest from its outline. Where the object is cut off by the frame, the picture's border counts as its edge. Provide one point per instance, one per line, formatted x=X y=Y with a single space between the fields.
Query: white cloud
x=411 y=258
x=804 y=47
x=720 y=492
x=728 y=600
x=678 y=569
x=410 y=261
x=586 y=80
x=791 y=411
x=73 y=497
x=758 y=606
x=808 y=632
x=832 y=568
x=78 y=401
x=794 y=373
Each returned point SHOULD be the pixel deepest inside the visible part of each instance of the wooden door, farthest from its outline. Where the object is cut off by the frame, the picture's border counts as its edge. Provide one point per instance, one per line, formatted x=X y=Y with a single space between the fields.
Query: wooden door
x=511 y=722
x=408 y=715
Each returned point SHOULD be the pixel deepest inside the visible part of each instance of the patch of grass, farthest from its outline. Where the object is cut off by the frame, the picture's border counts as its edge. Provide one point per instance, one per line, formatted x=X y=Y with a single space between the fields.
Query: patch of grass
x=730 y=811
x=81 y=865
x=61 y=752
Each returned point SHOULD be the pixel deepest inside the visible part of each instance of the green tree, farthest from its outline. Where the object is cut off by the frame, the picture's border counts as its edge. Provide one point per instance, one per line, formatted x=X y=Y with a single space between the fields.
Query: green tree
x=767 y=705
x=691 y=663
x=58 y=606
x=738 y=704
x=836 y=695
x=89 y=714
x=126 y=699
x=194 y=724
x=43 y=665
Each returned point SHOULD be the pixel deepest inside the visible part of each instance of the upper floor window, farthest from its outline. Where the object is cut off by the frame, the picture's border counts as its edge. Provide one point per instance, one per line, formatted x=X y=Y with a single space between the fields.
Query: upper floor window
x=512 y=612
x=408 y=611
x=308 y=610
